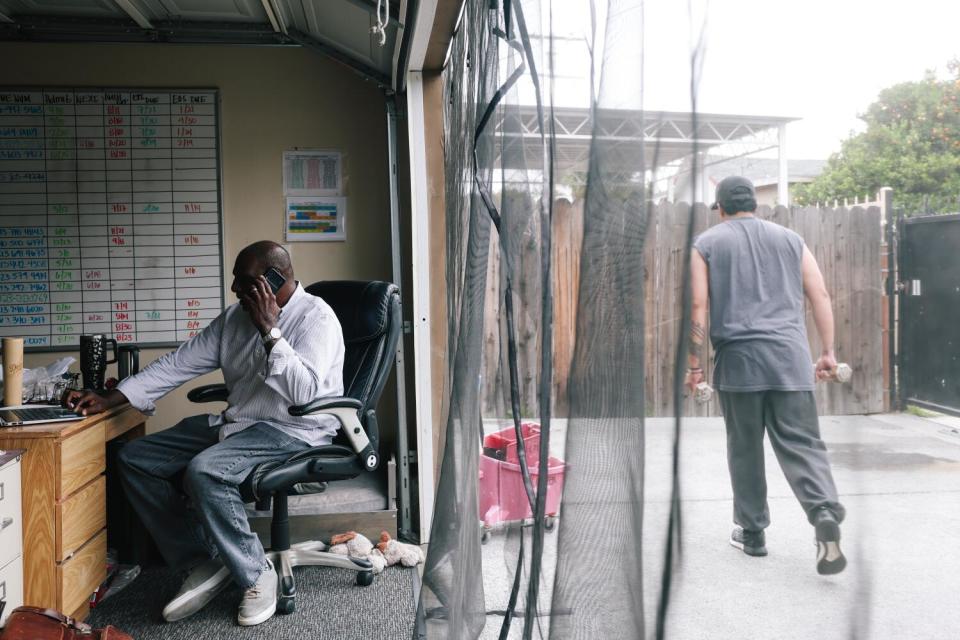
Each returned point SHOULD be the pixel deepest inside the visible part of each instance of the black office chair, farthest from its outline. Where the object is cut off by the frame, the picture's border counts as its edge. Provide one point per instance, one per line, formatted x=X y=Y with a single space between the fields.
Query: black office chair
x=369 y=313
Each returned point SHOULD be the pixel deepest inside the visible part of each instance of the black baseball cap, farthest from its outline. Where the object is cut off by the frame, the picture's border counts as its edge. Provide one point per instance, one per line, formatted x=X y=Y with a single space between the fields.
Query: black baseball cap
x=734 y=194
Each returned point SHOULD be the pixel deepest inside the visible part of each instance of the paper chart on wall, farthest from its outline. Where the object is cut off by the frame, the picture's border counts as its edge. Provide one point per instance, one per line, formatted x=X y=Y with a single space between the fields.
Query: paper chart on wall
x=110 y=214
x=312 y=173
x=316 y=219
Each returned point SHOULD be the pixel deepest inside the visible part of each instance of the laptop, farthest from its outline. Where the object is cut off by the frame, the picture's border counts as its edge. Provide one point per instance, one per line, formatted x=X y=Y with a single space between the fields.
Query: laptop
x=35 y=414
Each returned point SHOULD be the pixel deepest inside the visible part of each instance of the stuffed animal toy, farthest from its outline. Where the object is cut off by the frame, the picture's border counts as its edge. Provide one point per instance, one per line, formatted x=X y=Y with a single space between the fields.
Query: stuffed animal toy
x=352 y=544
x=388 y=551
x=357 y=545
x=394 y=551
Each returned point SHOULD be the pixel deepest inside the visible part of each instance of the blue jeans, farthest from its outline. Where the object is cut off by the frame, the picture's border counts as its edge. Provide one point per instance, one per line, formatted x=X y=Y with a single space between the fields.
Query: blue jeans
x=184 y=484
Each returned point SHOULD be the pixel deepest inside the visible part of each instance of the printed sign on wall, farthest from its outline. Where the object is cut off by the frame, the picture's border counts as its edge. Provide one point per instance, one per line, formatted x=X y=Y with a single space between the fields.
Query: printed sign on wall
x=316 y=219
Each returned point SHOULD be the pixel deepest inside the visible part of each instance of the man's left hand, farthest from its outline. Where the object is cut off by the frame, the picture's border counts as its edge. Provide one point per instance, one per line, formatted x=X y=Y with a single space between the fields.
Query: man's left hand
x=826 y=367
x=260 y=303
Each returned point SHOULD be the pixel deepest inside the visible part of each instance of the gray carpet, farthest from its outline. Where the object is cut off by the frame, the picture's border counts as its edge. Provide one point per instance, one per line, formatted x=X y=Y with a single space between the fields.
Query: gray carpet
x=329 y=607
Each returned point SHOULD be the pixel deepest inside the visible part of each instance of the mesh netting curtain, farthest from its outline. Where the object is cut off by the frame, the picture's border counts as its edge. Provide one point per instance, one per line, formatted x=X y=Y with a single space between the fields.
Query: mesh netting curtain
x=546 y=343
x=502 y=213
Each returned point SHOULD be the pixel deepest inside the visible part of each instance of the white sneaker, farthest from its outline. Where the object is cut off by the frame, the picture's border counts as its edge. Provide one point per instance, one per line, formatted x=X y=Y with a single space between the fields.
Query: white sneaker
x=259 y=601
x=205 y=581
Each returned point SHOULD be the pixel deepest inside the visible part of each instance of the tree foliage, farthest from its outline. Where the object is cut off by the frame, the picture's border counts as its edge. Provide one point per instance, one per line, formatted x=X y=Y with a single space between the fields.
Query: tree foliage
x=911 y=143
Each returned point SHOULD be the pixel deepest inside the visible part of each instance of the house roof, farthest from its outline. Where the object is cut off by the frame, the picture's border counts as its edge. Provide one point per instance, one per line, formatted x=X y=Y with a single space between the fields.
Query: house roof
x=762 y=171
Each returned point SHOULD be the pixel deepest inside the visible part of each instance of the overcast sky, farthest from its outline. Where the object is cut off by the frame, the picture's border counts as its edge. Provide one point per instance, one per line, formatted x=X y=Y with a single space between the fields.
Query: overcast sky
x=823 y=61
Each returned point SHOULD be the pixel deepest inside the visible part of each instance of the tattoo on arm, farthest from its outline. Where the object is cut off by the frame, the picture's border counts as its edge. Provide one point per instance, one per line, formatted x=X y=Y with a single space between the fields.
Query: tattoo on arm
x=697 y=335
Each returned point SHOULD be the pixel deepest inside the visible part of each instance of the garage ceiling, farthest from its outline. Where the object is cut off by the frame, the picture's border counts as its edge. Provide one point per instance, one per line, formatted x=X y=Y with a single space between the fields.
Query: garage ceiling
x=341 y=29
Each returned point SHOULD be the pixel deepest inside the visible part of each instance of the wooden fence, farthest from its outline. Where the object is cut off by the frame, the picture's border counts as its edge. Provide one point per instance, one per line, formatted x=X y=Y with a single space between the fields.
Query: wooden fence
x=846 y=243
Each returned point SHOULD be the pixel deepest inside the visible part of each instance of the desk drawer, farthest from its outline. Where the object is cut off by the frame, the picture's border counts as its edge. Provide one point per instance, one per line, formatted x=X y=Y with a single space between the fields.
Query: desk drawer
x=11 y=586
x=11 y=515
x=82 y=458
x=81 y=516
x=81 y=574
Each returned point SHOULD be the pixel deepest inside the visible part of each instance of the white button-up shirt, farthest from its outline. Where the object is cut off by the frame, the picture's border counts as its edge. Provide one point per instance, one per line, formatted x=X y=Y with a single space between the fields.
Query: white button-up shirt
x=304 y=365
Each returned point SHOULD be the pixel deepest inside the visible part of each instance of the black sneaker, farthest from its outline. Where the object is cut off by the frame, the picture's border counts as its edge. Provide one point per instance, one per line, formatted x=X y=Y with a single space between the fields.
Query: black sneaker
x=752 y=543
x=830 y=559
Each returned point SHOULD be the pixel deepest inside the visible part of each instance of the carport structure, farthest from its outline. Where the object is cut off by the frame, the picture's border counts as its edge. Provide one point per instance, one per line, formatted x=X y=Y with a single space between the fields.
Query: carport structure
x=658 y=143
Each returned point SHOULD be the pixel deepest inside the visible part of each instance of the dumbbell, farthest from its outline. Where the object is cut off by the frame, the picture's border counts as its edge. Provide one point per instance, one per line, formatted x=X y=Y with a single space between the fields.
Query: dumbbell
x=703 y=392
x=842 y=373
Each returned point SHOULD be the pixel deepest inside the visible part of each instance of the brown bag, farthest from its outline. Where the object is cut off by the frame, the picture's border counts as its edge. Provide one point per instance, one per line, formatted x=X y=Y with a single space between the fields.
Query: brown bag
x=33 y=623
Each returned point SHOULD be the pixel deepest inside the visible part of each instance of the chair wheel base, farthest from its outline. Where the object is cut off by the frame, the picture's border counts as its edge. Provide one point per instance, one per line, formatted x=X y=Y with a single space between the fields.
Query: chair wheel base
x=286 y=605
x=364 y=578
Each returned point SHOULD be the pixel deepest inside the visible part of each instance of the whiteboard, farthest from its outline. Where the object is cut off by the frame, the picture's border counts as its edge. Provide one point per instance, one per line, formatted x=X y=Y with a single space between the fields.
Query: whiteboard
x=110 y=214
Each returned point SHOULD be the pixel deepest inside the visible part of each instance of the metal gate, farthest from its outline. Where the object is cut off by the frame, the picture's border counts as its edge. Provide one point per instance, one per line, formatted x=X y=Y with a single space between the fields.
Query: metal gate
x=929 y=264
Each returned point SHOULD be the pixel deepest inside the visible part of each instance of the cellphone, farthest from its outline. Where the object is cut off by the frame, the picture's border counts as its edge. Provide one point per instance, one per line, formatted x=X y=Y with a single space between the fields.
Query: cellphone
x=275 y=279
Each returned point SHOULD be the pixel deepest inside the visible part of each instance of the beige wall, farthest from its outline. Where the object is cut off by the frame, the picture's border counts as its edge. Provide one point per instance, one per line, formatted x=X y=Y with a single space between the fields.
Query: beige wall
x=272 y=99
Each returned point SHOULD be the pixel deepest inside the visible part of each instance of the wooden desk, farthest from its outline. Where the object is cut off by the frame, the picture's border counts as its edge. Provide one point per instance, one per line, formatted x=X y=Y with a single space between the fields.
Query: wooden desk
x=64 y=505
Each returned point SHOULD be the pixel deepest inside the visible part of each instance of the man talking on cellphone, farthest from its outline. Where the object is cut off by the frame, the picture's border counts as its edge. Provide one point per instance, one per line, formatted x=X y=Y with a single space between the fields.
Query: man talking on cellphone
x=279 y=346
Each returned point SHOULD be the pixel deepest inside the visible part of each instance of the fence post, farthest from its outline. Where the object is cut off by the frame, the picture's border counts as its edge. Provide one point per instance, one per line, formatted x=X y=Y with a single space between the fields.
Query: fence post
x=886 y=209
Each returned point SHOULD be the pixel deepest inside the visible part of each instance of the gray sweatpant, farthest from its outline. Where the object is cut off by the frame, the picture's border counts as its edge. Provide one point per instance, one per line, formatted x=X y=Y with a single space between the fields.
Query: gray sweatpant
x=790 y=418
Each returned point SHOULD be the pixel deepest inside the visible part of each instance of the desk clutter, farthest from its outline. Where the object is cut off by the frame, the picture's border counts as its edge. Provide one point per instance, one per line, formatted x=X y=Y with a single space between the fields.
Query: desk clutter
x=94 y=361
x=42 y=385
x=46 y=385
x=119 y=577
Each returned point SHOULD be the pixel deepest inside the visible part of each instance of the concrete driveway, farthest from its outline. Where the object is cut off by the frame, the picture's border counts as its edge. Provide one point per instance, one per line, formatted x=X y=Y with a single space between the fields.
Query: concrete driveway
x=899 y=477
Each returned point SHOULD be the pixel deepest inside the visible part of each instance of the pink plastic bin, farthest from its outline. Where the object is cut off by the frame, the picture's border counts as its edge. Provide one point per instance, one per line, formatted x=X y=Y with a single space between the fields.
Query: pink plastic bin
x=502 y=496
x=504 y=443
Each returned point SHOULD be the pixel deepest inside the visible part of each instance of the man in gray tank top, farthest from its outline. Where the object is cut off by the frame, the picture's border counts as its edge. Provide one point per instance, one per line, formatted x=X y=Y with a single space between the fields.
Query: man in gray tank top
x=755 y=275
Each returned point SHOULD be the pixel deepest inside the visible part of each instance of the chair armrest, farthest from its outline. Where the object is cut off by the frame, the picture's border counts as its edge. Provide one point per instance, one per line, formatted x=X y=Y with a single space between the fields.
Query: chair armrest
x=317 y=464
x=324 y=404
x=346 y=410
x=209 y=393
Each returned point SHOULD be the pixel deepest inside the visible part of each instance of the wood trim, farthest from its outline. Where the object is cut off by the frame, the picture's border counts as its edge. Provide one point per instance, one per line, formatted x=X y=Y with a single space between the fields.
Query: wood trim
x=437 y=239
x=82 y=574
x=444 y=22
x=81 y=516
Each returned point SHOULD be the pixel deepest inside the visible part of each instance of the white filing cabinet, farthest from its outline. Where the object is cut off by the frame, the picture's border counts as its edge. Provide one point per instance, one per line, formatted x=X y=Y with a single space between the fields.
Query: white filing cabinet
x=11 y=533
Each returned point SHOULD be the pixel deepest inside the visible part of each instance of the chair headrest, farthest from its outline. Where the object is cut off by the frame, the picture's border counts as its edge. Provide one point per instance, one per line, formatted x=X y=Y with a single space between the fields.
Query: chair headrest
x=362 y=307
